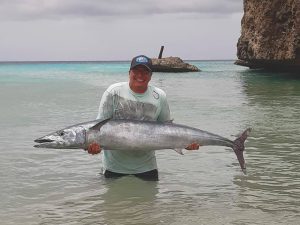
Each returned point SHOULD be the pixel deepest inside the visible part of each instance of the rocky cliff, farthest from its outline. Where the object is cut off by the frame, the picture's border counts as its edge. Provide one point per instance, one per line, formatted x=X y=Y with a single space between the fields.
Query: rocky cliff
x=270 y=36
x=172 y=64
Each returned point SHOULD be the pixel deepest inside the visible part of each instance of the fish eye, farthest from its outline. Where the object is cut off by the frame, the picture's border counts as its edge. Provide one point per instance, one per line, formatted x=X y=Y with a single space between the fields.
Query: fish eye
x=61 y=133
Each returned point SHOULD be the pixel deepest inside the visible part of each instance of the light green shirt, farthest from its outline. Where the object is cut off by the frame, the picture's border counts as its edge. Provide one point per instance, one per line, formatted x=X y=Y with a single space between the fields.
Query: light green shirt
x=120 y=102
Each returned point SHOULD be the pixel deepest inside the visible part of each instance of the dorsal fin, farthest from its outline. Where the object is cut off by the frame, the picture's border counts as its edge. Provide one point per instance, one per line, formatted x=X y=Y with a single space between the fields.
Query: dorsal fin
x=98 y=125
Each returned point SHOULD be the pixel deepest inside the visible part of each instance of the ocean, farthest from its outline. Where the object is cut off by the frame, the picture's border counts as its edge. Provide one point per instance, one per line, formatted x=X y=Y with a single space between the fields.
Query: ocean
x=48 y=186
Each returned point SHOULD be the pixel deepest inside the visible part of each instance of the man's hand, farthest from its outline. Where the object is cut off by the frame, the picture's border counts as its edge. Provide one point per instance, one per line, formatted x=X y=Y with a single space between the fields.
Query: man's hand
x=94 y=148
x=193 y=146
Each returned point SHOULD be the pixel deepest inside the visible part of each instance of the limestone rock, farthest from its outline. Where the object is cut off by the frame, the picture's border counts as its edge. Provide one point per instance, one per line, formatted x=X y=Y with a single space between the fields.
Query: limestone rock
x=270 y=36
x=172 y=64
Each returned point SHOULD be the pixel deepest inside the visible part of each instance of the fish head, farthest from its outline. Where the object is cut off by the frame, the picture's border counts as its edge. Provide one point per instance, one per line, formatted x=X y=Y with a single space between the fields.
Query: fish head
x=68 y=138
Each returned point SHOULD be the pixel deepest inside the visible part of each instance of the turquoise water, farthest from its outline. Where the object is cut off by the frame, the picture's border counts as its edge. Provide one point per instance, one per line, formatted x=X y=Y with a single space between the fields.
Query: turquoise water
x=47 y=186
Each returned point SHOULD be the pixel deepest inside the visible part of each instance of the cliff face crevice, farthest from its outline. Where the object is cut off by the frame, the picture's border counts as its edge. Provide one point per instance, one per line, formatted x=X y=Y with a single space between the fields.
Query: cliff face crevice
x=270 y=36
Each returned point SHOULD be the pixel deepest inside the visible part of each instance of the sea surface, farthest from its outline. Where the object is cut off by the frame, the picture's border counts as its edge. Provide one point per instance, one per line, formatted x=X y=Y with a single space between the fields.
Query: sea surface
x=48 y=186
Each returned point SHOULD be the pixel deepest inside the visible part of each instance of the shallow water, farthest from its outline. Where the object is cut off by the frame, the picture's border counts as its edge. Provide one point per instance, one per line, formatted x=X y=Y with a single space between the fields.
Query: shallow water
x=47 y=186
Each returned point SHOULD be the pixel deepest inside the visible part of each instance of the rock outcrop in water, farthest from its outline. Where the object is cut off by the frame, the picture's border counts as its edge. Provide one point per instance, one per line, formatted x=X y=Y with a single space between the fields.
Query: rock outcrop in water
x=172 y=64
x=270 y=36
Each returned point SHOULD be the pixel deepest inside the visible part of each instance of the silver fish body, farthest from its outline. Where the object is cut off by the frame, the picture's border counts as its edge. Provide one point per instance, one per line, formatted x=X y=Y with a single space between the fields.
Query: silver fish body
x=138 y=135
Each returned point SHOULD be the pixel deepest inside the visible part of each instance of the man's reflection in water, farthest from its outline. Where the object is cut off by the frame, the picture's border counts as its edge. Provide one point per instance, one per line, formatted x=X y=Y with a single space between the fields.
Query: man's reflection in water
x=128 y=199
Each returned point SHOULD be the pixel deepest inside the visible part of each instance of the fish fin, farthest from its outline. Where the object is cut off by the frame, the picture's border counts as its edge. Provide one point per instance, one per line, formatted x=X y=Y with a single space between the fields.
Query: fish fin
x=169 y=121
x=178 y=150
x=98 y=125
x=239 y=147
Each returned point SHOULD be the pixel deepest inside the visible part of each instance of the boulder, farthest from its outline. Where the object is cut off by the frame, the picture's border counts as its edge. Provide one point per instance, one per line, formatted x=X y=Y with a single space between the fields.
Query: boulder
x=270 y=36
x=172 y=64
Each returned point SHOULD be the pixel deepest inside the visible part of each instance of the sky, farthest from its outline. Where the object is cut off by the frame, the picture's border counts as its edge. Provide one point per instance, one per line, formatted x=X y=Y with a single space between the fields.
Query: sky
x=84 y=30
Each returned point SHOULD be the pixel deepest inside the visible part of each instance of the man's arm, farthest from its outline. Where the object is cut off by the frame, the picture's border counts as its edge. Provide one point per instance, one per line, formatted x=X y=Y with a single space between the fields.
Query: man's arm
x=105 y=111
x=164 y=114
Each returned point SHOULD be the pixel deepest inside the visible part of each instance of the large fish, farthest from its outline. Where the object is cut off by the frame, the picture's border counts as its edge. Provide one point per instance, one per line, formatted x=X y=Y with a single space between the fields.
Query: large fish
x=138 y=135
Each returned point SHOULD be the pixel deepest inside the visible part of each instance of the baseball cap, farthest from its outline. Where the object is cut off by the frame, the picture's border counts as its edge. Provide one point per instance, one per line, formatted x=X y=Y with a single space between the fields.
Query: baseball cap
x=141 y=60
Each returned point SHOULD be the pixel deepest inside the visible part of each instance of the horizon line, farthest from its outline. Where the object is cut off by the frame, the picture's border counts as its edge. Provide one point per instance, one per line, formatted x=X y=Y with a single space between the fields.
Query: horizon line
x=95 y=61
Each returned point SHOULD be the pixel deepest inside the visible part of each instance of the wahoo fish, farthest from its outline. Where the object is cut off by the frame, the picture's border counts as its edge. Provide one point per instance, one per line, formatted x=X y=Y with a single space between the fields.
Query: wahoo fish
x=121 y=134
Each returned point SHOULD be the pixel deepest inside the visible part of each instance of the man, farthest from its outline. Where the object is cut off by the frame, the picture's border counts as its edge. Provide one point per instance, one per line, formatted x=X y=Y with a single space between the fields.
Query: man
x=133 y=100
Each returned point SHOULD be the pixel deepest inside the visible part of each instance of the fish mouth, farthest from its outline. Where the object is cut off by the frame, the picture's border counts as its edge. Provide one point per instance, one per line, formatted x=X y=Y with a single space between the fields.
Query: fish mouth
x=43 y=140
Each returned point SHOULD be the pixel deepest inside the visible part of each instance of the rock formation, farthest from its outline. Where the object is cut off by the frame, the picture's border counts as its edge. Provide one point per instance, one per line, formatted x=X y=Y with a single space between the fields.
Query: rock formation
x=172 y=64
x=270 y=36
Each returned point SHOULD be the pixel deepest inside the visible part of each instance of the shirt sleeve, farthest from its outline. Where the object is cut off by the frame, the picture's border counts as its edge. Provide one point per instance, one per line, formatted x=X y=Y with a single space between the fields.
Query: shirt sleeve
x=106 y=106
x=165 y=110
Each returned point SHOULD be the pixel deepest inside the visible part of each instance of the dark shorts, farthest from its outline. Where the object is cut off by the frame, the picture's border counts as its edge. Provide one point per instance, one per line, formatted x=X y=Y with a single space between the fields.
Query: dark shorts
x=151 y=175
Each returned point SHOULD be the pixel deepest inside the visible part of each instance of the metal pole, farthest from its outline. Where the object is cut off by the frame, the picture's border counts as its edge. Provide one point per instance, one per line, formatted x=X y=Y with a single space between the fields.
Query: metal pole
x=161 y=52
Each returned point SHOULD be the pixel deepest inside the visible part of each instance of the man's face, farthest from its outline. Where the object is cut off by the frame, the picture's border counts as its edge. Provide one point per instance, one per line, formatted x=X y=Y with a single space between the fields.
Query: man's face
x=139 y=78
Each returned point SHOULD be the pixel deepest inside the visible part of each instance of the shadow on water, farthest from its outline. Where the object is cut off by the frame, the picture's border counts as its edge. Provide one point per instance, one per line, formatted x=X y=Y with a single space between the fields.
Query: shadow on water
x=128 y=199
x=273 y=109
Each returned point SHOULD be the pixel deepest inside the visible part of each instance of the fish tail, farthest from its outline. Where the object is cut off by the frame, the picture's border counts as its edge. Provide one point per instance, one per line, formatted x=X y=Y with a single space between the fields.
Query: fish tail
x=239 y=147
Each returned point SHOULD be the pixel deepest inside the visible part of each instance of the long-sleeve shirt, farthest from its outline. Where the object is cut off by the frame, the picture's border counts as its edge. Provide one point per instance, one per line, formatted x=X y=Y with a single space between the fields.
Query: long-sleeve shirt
x=120 y=102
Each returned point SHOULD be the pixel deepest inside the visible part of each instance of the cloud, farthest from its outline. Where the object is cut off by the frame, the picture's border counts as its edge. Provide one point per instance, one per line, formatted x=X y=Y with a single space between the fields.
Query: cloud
x=107 y=30
x=118 y=9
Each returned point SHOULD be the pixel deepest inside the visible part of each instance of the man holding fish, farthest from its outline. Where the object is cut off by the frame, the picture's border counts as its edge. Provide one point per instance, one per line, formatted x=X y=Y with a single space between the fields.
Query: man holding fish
x=134 y=100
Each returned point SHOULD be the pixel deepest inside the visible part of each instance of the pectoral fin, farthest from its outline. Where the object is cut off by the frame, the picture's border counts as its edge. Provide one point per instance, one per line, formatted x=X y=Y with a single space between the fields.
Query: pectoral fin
x=179 y=151
x=169 y=121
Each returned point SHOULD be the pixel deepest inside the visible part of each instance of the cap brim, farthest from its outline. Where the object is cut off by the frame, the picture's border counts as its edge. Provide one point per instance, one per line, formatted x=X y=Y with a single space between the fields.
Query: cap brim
x=142 y=65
